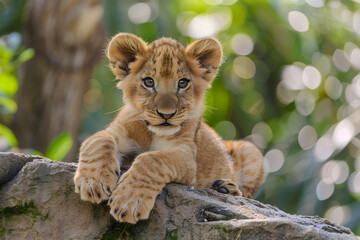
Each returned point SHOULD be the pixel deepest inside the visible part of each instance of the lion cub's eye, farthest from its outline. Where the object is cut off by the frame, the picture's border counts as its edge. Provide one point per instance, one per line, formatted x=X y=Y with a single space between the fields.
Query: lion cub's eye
x=183 y=83
x=148 y=82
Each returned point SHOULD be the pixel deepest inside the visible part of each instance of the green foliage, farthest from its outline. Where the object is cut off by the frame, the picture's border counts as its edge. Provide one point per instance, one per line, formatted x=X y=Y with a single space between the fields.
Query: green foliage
x=11 y=15
x=59 y=146
x=26 y=55
x=8 y=135
x=8 y=81
x=8 y=84
x=10 y=61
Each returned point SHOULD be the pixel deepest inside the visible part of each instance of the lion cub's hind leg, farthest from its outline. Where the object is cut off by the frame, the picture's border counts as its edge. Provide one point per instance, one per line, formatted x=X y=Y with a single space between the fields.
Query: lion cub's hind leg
x=248 y=166
x=226 y=186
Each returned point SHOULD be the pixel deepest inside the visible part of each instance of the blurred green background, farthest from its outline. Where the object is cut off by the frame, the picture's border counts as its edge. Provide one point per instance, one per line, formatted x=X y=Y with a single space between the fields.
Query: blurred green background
x=289 y=83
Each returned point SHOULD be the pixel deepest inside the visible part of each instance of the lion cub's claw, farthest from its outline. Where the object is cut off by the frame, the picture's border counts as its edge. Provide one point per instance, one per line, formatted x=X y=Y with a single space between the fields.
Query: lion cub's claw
x=129 y=203
x=97 y=186
x=226 y=186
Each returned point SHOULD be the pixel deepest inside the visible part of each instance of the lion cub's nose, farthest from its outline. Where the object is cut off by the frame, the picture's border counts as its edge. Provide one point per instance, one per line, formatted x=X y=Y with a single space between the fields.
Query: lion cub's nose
x=165 y=116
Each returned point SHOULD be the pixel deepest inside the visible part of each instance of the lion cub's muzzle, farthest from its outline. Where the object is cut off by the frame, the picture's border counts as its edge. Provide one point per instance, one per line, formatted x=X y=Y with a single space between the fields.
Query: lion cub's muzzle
x=165 y=121
x=165 y=116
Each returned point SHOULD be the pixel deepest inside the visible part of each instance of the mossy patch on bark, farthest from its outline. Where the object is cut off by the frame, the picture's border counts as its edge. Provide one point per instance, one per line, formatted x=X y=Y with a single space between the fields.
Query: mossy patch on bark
x=27 y=208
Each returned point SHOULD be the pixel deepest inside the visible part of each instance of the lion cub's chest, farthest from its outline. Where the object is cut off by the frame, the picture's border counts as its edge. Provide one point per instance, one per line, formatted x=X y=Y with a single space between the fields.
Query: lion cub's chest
x=162 y=144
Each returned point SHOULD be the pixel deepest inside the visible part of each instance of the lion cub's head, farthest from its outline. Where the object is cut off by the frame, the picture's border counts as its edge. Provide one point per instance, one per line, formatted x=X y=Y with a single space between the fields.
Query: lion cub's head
x=164 y=81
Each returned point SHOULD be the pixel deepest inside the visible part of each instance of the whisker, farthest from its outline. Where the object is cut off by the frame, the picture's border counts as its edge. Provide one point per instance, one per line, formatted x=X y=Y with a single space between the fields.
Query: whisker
x=207 y=106
x=117 y=110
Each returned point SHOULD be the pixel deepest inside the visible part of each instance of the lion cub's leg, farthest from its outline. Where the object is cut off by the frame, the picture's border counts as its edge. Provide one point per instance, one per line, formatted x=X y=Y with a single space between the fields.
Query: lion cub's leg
x=248 y=166
x=98 y=170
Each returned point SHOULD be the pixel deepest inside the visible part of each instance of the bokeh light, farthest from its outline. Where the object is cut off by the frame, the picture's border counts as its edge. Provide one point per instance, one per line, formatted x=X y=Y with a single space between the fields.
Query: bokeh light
x=324 y=190
x=226 y=130
x=273 y=160
x=354 y=183
x=298 y=21
x=203 y=26
x=355 y=58
x=343 y=133
x=292 y=77
x=333 y=87
x=335 y=172
x=261 y=135
x=305 y=103
x=356 y=22
x=208 y=25
x=244 y=67
x=307 y=137
x=140 y=13
x=352 y=92
x=324 y=148
x=341 y=60
x=217 y=2
x=316 y=3
x=311 y=77
x=242 y=44
x=264 y=130
x=338 y=214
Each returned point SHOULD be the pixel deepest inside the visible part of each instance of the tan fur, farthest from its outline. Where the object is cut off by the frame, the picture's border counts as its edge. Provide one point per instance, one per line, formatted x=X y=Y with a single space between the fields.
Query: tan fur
x=187 y=151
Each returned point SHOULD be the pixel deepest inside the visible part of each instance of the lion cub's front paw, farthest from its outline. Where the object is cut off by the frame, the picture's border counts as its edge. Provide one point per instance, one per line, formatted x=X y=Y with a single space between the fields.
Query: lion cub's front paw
x=226 y=186
x=95 y=182
x=131 y=201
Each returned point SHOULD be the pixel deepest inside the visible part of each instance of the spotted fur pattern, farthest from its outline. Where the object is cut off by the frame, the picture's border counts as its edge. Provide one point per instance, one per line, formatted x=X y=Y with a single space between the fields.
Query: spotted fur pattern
x=158 y=137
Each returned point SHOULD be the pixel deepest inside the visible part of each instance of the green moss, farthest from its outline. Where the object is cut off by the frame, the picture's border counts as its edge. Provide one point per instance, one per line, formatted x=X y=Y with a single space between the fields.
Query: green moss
x=2 y=233
x=174 y=237
x=222 y=228
x=27 y=209
x=118 y=231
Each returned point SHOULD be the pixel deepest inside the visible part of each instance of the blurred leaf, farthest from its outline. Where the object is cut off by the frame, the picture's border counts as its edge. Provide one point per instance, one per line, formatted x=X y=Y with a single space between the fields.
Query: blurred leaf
x=59 y=146
x=11 y=15
x=26 y=55
x=8 y=84
x=5 y=55
x=8 y=135
x=9 y=105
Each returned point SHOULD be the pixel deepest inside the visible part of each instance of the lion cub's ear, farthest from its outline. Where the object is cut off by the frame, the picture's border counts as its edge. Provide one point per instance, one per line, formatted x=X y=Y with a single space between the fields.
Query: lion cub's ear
x=208 y=54
x=124 y=49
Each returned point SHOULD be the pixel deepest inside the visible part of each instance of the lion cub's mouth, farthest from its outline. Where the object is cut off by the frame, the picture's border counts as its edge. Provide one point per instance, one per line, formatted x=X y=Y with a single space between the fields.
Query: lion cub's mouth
x=164 y=124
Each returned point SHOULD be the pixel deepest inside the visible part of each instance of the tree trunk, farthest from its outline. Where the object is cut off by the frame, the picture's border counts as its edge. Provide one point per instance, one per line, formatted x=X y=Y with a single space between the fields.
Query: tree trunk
x=68 y=39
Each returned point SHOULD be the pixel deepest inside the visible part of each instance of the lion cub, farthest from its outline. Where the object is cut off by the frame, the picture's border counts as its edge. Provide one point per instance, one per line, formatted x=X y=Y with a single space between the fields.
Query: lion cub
x=164 y=86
